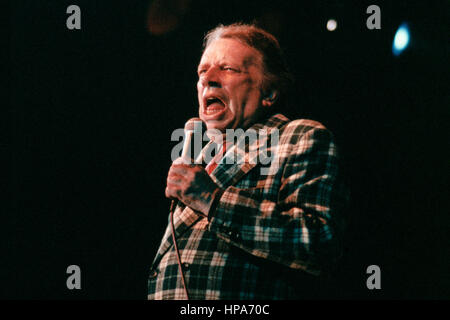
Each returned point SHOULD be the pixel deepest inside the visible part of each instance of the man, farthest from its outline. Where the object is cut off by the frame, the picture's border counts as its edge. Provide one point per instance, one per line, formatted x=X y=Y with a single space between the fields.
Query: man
x=242 y=234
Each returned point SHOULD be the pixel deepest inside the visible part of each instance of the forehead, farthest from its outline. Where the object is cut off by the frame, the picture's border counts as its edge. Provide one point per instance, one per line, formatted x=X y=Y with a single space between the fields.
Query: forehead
x=231 y=51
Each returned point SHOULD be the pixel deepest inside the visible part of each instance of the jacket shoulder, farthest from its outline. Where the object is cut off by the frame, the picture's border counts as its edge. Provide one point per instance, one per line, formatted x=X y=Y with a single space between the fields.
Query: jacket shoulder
x=304 y=127
x=305 y=124
x=282 y=122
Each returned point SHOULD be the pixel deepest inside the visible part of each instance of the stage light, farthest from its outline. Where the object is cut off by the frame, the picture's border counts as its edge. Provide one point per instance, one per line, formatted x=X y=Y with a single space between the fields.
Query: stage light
x=331 y=25
x=401 y=39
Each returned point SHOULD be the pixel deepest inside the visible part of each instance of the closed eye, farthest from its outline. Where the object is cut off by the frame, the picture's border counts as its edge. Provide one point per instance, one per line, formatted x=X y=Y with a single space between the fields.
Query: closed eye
x=229 y=68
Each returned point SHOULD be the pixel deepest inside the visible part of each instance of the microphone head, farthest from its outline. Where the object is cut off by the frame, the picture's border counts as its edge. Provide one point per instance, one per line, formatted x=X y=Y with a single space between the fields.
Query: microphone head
x=195 y=124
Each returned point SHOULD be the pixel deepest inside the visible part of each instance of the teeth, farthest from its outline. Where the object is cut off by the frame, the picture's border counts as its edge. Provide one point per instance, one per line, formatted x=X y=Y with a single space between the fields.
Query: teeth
x=213 y=109
x=213 y=105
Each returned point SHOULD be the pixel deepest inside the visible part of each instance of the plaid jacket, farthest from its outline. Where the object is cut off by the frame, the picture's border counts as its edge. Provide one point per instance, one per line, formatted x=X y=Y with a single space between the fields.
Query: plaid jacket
x=267 y=230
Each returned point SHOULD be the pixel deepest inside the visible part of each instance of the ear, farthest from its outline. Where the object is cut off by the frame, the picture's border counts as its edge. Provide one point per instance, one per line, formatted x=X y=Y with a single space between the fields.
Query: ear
x=270 y=98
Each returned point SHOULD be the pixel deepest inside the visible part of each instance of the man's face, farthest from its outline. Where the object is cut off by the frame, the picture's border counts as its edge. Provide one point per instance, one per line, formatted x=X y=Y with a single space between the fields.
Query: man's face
x=230 y=85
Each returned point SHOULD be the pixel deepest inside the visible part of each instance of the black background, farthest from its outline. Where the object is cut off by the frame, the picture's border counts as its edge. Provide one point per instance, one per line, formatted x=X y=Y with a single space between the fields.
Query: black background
x=91 y=113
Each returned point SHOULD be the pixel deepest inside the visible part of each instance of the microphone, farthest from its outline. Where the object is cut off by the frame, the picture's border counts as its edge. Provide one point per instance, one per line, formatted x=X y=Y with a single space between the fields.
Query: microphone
x=193 y=134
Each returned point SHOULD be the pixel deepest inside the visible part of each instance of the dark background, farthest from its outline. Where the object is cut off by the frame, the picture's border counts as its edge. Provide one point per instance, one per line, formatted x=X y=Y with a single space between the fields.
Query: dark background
x=91 y=113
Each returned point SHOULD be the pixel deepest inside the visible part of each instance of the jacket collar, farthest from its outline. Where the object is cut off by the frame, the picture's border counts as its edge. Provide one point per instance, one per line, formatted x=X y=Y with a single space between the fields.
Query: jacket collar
x=242 y=156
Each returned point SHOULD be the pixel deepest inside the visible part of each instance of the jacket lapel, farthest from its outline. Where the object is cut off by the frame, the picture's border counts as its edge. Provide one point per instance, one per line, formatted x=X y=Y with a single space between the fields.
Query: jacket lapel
x=244 y=155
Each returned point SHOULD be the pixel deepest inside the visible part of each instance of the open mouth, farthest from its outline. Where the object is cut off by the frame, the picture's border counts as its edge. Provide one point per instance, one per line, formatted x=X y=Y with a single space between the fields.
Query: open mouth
x=214 y=106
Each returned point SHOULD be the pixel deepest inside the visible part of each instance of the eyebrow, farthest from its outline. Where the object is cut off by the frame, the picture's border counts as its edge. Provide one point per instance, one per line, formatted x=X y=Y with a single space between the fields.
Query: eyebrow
x=200 y=66
x=248 y=61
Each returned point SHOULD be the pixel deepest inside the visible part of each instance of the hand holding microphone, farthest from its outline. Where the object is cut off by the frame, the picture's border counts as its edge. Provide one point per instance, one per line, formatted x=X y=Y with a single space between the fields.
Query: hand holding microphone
x=189 y=182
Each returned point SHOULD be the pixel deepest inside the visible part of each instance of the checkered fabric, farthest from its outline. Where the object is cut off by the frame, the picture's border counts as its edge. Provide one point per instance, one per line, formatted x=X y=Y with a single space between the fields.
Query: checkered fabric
x=268 y=228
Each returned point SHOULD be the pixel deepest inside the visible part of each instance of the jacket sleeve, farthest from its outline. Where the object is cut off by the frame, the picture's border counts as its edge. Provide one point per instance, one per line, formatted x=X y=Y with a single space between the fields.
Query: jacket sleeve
x=300 y=224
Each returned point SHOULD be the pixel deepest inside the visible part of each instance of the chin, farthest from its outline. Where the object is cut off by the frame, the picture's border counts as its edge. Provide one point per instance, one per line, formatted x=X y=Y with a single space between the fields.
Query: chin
x=217 y=126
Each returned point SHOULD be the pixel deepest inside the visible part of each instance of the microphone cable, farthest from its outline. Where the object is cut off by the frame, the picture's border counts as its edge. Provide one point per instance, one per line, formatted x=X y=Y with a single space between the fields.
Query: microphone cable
x=180 y=267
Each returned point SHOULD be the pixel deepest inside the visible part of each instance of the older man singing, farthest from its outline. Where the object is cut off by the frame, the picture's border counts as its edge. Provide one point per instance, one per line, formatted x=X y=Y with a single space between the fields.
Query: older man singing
x=240 y=232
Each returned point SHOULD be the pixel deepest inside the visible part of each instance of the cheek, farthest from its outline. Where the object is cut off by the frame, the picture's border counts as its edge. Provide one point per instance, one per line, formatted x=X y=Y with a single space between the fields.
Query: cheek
x=250 y=96
x=243 y=95
x=199 y=96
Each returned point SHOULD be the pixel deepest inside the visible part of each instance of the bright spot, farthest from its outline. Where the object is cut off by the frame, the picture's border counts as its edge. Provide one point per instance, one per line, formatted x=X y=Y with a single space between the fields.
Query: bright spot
x=331 y=25
x=401 y=39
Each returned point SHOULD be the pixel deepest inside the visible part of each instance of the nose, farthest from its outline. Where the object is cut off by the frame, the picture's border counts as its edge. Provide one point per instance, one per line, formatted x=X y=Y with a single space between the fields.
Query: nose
x=210 y=78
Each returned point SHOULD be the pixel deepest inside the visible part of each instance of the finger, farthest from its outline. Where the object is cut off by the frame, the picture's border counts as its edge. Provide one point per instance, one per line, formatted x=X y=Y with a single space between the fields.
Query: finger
x=184 y=169
x=179 y=169
x=175 y=178
x=177 y=161
x=174 y=181
x=172 y=192
x=185 y=161
x=168 y=193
